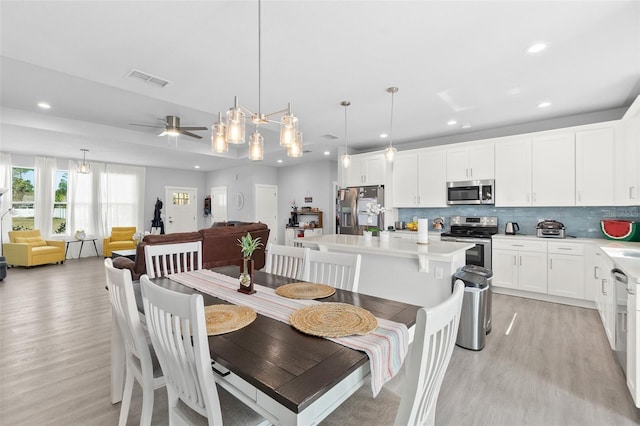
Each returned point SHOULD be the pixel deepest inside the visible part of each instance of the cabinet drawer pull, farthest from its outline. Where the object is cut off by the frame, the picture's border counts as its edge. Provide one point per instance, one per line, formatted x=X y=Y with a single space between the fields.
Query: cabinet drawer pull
x=514 y=260
x=595 y=272
x=565 y=248
x=550 y=263
x=602 y=290
x=517 y=245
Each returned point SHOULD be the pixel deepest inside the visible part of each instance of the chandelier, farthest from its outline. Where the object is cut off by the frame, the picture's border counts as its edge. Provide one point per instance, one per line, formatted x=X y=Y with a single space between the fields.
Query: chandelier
x=83 y=167
x=231 y=130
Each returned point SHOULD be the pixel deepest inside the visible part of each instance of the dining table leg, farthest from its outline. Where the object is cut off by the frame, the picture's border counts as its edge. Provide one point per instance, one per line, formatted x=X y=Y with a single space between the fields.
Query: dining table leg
x=117 y=361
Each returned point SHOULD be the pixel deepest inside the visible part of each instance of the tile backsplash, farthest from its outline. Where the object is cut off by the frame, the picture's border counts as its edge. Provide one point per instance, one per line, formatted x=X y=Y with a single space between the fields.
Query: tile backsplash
x=582 y=222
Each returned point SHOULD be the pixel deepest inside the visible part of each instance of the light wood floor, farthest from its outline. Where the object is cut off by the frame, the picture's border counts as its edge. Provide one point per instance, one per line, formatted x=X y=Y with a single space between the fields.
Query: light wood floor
x=555 y=367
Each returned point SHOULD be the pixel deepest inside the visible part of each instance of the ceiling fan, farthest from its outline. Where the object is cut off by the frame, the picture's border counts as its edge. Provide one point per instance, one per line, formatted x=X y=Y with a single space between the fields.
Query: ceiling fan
x=172 y=127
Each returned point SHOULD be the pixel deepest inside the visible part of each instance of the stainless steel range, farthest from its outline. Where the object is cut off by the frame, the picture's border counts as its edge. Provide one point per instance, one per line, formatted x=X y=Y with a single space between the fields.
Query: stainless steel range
x=476 y=230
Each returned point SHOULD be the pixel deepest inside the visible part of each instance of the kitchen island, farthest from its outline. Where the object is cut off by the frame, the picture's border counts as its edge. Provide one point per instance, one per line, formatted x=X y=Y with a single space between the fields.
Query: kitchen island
x=400 y=269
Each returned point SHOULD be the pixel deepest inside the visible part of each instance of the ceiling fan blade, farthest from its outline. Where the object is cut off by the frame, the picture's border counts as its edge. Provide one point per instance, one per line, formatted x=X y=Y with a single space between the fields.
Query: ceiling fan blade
x=146 y=125
x=194 y=128
x=193 y=135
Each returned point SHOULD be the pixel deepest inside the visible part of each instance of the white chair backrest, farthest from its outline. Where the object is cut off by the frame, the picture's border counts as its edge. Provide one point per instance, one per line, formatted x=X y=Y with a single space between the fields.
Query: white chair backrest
x=435 y=338
x=123 y=302
x=168 y=259
x=285 y=260
x=340 y=270
x=178 y=331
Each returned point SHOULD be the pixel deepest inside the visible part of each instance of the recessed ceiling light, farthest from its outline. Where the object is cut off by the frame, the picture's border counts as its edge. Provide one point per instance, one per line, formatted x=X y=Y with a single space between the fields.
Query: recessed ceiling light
x=544 y=104
x=196 y=166
x=383 y=135
x=327 y=153
x=513 y=92
x=279 y=161
x=536 y=48
x=44 y=105
x=466 y=126
x=451 y=122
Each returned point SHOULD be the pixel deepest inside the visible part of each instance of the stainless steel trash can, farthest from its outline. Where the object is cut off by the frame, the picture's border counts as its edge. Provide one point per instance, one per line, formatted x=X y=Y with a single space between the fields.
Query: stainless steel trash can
x=473 y=329
x=488 y=274
x=3 y=268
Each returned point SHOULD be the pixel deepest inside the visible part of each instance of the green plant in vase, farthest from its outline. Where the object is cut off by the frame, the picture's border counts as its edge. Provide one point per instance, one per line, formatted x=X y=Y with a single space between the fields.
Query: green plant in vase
x=248 y=245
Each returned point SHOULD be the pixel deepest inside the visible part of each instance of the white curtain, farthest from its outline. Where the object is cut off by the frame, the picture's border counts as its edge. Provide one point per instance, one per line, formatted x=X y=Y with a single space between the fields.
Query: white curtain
x=122 y=195
x=83 y=209
x=45 y=195
x=5 y=199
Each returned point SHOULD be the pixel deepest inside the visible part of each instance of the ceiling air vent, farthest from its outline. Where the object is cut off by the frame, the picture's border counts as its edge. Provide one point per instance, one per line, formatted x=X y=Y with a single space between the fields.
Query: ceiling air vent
x=330 y=136
x=148 y=78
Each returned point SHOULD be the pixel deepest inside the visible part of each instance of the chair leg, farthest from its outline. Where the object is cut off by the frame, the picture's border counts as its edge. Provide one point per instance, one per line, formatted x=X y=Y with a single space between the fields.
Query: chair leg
x=147 y=400
x=126 y=397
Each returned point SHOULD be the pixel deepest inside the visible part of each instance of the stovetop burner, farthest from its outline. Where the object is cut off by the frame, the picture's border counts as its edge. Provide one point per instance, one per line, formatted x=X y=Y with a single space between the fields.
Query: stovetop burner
x=472 y=227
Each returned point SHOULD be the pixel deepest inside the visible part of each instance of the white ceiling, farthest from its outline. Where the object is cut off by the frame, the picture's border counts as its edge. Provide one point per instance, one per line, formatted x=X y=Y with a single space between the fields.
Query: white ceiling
x=462 y=60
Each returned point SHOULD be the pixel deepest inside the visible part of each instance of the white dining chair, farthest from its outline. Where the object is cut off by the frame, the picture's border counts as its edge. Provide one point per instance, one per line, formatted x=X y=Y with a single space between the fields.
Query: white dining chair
x=178 y=331
x=435 y=336
x=287 y=261
x=340 y=270
x=140 y=361
x=168 y=259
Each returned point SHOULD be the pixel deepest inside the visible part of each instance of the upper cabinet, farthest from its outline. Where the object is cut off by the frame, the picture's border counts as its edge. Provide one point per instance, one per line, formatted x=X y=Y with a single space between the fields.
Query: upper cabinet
x=366 y=169
x=513 y=172
x=552 y=170
x=470 y=162
x=419 y=178
x=627 y=173
x=595 y=161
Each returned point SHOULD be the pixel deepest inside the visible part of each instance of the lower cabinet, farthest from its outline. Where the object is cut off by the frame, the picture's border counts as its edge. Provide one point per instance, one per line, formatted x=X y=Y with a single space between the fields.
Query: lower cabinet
x=633 y=376
x=520 y=264
x=566 y=269
x=294 y=236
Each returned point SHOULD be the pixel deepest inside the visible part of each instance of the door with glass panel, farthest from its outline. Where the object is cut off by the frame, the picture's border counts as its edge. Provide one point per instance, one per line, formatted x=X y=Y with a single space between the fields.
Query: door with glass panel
x=181 y=210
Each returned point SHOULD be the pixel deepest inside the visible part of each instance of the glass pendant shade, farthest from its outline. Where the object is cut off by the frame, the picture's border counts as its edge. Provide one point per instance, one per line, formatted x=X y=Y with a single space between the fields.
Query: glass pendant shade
x=288 y=129
x=84 y=168
x=346 y=161
x=256 y=146
x=218 y=140
x=235 y=124
x=295 y=149
x=390 y=153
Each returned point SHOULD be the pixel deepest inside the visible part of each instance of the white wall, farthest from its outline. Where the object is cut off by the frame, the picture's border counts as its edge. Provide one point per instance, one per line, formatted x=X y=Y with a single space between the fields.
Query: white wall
x=311 y=179
x=242 y=180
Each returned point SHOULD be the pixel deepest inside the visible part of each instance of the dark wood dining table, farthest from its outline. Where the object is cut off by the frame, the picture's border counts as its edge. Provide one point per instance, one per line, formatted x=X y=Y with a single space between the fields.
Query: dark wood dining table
x=291 y=377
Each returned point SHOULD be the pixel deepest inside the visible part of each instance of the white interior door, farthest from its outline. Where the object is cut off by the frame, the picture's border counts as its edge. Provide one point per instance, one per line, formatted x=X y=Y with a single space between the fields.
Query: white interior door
x=267 y=209
x=219 y=204
x=181 y=209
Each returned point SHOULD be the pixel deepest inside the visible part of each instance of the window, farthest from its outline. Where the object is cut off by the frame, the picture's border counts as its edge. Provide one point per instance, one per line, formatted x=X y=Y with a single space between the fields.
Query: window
x=59 y=224
x=23 y=189
x=181 y=198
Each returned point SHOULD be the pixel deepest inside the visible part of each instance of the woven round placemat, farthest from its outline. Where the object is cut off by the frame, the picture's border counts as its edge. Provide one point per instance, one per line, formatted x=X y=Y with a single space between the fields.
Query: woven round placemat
x=333 y=320
x=226 y=318
x=305 y=290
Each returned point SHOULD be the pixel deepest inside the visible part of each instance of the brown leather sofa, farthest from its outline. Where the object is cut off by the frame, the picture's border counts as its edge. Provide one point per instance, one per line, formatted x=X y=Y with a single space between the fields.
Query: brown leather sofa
x=219 y=246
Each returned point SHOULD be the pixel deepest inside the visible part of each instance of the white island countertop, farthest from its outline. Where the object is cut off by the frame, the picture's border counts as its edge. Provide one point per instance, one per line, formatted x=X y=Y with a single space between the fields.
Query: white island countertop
x=434 y=250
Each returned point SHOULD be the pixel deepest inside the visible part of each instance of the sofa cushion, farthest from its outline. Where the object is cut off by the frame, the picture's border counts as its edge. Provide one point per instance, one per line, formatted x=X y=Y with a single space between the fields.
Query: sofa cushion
x=121 y=236
x=42 y=250
x=32 y=241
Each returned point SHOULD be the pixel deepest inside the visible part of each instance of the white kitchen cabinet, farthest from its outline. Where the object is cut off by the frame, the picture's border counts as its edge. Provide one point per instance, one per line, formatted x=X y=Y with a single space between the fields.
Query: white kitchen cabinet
x=513 y=172
x=471 y=161
x=520 y=264
x=566 y=269
x=633 y=376
x=605 y=293
x=627 y=179
x=366 y=169
x=553 y=169
x=595 y=161
x=419 y=178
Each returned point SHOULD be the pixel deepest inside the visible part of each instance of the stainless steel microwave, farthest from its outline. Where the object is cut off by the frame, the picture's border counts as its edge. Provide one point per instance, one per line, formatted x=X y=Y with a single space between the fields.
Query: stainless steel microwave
x=471 y=192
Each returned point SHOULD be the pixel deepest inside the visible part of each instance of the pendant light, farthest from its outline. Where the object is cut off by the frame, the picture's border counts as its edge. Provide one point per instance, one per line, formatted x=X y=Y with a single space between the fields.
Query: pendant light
x=390 y=152
x=256 y=146
x=218 y=139
x=346 y=158
x=295 y=149
x=83 y=167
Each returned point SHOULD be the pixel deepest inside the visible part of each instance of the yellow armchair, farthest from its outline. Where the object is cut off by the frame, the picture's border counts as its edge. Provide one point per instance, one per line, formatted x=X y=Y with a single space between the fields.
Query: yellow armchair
x=121 y=238
x=28 y=248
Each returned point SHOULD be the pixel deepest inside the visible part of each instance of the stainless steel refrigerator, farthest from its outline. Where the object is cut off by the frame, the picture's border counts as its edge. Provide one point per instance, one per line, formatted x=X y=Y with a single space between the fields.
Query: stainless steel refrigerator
x=352 y=209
